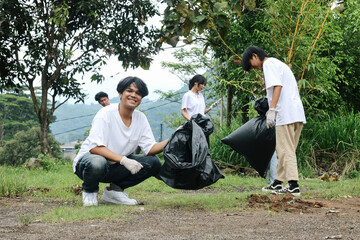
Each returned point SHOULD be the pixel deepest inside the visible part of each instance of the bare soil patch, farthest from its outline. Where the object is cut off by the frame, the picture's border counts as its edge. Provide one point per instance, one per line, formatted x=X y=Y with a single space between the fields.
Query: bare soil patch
x=267 y=217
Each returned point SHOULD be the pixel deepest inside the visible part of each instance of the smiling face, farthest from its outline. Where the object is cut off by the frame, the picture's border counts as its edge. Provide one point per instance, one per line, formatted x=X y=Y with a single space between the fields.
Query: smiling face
x=130 y=97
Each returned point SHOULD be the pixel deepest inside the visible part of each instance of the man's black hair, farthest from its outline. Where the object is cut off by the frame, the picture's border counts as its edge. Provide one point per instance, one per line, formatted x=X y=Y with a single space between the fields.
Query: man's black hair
x=126 y=82
x=248 y=54
x=200 y=79
x=100 y=95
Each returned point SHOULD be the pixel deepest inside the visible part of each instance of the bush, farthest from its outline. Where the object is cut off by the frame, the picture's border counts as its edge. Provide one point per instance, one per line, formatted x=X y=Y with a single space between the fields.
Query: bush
x=331 y=145
x=24 y=145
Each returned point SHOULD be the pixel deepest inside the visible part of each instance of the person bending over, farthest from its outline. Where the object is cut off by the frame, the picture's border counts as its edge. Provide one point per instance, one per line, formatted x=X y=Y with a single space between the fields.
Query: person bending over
x=286 y=111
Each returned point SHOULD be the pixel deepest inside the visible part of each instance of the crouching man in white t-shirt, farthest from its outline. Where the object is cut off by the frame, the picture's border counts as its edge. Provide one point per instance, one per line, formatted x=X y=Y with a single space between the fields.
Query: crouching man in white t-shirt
x=106 y=154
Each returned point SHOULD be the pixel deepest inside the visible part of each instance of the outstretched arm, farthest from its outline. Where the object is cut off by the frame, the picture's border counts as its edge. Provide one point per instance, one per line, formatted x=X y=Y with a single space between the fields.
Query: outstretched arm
x=158 y=147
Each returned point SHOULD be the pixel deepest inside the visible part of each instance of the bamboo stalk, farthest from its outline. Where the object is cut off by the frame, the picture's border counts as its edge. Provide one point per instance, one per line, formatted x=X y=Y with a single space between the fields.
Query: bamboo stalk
x=296 y=29
x=313 y=46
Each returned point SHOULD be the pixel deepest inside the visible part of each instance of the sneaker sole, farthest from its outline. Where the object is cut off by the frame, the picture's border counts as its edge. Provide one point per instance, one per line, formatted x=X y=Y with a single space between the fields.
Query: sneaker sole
x=270 y=190
x=90 y=204
x=294 y=194
x=106 y=199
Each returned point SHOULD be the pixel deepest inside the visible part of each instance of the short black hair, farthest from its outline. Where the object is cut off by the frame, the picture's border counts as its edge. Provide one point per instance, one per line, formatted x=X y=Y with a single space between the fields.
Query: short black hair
x=126 y=82
x=200 y=79
x=247 y=55
x=100 y=95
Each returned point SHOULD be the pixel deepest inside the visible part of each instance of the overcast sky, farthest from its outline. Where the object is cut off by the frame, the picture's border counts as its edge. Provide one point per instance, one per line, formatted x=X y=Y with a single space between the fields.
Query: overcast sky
x=155 y=78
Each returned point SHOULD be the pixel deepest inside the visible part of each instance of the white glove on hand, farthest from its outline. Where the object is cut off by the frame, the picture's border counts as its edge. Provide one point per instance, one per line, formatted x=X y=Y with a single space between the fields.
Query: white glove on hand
x=215 y=104
x=270 y=118
x=131 y=165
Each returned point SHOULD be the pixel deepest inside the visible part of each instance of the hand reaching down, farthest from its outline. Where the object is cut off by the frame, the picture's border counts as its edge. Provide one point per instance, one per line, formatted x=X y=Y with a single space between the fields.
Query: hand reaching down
x=270 y=118
x=132 y=165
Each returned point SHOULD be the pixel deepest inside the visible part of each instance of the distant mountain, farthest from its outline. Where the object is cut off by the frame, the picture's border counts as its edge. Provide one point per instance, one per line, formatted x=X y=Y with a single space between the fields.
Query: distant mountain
x=72 y=120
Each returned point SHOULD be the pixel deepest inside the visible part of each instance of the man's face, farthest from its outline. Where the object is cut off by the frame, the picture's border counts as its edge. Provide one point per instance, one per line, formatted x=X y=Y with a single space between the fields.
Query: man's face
x=255 y=62
x=104 y=101
x=130 y=97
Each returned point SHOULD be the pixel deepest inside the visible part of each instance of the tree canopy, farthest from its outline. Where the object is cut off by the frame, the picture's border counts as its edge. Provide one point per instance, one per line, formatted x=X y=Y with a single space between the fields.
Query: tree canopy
x=55 y=42
x=16 y=114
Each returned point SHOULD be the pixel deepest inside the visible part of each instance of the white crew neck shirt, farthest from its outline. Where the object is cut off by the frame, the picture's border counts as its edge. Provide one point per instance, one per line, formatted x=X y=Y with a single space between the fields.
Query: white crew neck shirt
x=193 y=103
x=289 y=108
x=109 y=130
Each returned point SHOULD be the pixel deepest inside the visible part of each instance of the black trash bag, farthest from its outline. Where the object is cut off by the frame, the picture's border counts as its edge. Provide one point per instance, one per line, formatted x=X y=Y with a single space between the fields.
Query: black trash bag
x=254 y=140
x=187 y=158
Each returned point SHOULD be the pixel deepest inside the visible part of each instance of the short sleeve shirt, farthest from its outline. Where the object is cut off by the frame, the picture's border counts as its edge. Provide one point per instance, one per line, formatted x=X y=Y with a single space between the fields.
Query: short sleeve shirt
x=109 y=130
x=289 y=108
x=193 y=103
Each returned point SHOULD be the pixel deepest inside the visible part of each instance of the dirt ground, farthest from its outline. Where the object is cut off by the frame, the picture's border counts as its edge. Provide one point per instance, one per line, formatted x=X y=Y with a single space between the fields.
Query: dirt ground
x=268 y=217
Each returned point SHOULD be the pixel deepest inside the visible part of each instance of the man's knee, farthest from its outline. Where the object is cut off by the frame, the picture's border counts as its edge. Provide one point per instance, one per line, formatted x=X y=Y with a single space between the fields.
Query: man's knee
x=155 y=163
x=94 y=164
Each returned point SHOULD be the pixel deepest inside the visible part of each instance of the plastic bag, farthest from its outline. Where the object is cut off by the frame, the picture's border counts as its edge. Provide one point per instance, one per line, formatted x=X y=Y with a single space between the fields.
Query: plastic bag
x=187 y=158
x=254 y=140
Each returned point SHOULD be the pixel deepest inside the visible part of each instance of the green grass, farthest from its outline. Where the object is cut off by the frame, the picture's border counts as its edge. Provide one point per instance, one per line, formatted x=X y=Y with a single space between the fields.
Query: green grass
x=226 y=195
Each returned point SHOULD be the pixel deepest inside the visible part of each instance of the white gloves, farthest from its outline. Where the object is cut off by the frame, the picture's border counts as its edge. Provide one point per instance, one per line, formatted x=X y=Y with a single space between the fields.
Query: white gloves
x=215 y=104
x=131 y=165
x=270 y=118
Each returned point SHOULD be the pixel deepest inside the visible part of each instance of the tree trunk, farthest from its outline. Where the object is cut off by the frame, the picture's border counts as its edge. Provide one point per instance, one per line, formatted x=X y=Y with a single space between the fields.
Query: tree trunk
x=44 y=143
x=1 y=133
x=229 y=105
x=43 y=118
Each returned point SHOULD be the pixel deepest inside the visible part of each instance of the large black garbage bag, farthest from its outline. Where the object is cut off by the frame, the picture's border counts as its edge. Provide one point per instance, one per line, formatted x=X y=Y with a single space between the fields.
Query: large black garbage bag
x=254 y=140
x=187 y=159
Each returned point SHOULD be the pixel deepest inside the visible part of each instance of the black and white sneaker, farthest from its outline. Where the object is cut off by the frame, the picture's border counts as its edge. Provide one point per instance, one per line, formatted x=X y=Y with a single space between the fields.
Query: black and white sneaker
x=275 y=186
x=294 y=190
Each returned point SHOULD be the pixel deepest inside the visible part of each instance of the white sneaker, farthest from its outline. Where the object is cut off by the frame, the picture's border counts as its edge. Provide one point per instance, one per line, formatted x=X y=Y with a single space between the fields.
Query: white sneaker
x=117 y=197
x=89 y=199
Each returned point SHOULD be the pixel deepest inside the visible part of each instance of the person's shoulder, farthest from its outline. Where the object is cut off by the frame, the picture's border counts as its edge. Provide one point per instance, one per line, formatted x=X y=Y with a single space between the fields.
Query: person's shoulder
x=272 y=62
x=188 y=93
x=104 y=111
x=139 y=114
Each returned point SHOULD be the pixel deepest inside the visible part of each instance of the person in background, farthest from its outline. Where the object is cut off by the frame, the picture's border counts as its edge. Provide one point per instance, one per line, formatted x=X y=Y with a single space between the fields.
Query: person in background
x=193 y=101
x=102 y=98
x=106 y=154
x=286 y=111
x=272 y=168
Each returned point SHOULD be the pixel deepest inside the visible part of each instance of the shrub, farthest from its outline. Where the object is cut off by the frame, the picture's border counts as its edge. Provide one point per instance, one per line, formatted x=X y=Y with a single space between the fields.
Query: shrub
x=332 y=144
x=24 y=145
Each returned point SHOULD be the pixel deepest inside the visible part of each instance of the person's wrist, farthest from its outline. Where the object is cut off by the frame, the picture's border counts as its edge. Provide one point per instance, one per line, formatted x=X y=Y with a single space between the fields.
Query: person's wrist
x=122 y=159
x=272 y=109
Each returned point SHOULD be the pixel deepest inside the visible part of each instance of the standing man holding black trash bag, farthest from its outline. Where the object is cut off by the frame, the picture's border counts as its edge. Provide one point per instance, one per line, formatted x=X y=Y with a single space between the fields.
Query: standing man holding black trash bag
x=106 y=154
x=286 y=111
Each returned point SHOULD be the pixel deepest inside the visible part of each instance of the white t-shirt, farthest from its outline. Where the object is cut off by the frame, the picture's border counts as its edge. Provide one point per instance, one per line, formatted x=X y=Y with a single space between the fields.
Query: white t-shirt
x=108 y=130
x=193 y=103
x=289 y=108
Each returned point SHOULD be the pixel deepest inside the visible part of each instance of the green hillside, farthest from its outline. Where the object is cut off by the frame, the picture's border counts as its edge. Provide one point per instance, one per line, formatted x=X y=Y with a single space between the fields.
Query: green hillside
x=72 y=120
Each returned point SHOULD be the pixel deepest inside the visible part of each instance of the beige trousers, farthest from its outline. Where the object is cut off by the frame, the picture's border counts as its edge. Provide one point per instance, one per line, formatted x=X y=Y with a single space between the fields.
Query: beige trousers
x=287 y=139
